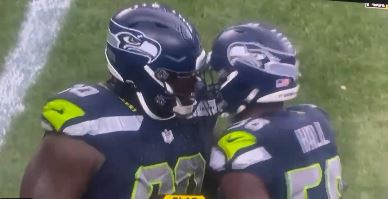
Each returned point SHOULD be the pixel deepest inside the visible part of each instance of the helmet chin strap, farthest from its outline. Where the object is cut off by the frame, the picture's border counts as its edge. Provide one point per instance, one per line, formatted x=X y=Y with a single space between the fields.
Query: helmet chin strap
x=179 y=110
x=184 y=110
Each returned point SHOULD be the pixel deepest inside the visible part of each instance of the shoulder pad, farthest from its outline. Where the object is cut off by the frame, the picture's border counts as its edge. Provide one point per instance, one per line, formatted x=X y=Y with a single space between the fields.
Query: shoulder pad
x=86 y=109
x=96 y=98
x=306 y=105
x=241 y=135
x=233 y=141
x=68 y=104
x=311 y=107
x=249 y=125
x=237 y=150
x=303 y=107
x=84 y=95
x=58 y=111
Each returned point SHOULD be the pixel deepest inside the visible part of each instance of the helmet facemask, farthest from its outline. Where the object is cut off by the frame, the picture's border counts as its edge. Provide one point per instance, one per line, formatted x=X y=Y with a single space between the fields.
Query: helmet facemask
x=181 y=87
x=245 y=84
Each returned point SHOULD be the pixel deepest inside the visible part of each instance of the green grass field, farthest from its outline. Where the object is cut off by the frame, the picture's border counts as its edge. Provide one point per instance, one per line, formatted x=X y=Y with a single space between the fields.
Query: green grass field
x=11 y=13
x=339 y=44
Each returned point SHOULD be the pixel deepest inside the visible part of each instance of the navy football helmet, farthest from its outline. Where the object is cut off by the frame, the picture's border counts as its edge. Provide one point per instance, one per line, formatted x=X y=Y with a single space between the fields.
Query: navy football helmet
x=256 y=64
x=158 y=51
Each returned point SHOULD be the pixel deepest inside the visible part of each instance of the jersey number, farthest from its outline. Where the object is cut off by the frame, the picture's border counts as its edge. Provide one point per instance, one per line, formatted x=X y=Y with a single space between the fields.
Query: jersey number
x=250 y=124
x=300 y=180
x=82 y=90
x=163 y=176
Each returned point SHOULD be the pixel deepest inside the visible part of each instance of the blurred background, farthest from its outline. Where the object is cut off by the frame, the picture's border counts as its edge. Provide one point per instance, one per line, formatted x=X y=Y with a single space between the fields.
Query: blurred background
x=342 y=48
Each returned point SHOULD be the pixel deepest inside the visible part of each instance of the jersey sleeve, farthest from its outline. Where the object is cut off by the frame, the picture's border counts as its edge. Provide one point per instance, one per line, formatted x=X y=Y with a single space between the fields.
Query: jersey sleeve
x=72 y=106
x=241 y=151
x=57 y=112
x=89 y=110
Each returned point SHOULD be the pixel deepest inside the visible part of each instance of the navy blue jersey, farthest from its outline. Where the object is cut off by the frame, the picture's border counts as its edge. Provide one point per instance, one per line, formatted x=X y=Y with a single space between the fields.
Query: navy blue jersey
x=293 y=151
x=143 y=157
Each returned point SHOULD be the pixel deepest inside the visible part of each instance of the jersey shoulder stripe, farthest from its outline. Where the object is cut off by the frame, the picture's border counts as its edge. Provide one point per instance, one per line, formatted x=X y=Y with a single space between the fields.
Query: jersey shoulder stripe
x=89 y=109
x=240 y=146
x=104 y=125
x=253 y=156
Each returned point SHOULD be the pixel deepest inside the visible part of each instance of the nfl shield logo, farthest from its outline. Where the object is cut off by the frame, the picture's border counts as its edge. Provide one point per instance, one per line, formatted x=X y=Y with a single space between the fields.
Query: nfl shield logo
x=167 y=135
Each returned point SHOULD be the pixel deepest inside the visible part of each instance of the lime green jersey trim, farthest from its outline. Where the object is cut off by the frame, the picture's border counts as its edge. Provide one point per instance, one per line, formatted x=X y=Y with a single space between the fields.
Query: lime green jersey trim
x=58 y=111
x=234 y=141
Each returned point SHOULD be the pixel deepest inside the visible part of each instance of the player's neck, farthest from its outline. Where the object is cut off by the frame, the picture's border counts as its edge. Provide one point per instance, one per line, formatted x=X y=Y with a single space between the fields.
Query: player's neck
x=258 y=110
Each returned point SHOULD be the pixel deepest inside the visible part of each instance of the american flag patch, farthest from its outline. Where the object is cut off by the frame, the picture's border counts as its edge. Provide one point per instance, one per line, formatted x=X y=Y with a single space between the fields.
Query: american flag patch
x=282 y=83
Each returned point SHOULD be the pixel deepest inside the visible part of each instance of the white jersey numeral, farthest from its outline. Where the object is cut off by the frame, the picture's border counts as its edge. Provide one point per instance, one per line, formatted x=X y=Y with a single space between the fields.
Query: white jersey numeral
x=82 y=90
x=300 y=180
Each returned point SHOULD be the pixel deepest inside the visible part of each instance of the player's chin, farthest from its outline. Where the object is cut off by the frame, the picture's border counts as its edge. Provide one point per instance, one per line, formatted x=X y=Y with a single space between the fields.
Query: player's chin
x=184 y=108
x=187 y=101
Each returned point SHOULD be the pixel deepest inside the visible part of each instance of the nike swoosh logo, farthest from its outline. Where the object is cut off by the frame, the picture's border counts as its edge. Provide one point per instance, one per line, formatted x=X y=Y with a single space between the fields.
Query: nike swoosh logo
x=232 y=139
x=60 y=111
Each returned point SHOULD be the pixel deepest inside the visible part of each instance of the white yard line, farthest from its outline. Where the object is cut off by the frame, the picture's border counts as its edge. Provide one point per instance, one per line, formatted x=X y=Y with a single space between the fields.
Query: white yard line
x=42 y=23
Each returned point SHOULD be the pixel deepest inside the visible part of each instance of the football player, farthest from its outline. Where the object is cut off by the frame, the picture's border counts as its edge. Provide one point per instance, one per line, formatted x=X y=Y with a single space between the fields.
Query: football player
x=142 y=134
x=270 y=151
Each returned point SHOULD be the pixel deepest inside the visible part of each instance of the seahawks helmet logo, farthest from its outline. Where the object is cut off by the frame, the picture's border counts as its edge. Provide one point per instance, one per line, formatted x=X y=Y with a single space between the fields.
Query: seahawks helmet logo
x=260 y=57
x=253 y=54
x=135 y=42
